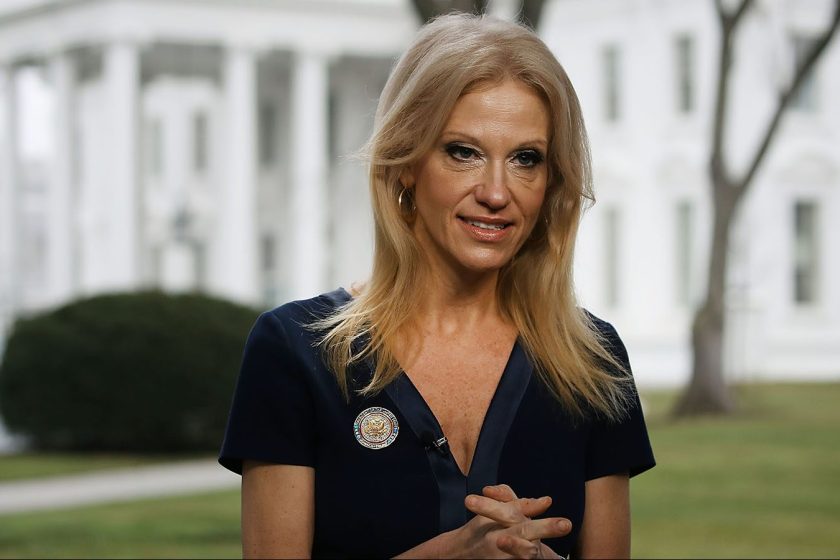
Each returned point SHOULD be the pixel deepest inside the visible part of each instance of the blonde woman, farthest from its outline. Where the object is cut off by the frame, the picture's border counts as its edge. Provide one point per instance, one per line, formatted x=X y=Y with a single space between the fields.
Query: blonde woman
x=460 y=403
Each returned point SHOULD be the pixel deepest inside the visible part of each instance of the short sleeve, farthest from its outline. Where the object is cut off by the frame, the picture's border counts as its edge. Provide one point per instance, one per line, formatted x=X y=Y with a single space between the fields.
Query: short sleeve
x=271 y=418
x=619 y=446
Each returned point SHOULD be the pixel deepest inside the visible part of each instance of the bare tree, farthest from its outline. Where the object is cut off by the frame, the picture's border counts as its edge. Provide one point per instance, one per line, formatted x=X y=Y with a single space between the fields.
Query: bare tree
x=707 y=392
x=529 y=11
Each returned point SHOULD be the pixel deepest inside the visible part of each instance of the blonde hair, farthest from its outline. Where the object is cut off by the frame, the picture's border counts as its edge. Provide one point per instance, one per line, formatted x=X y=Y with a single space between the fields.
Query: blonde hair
x=450 y=56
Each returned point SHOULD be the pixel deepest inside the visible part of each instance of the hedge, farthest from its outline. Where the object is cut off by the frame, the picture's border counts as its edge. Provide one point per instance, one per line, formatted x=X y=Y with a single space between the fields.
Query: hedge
x=138 y=372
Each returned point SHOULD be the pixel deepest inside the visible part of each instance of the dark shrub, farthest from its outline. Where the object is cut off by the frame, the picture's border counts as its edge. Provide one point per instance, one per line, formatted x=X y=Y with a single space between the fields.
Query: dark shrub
x=126 y=372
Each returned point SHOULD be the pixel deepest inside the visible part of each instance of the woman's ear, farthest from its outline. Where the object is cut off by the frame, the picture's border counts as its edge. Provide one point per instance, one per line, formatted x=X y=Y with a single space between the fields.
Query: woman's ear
x=407 y=178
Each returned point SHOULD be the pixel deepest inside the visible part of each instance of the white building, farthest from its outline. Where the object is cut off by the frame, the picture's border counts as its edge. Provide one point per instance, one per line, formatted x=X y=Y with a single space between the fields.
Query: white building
x=203 y=144
x=645 y=71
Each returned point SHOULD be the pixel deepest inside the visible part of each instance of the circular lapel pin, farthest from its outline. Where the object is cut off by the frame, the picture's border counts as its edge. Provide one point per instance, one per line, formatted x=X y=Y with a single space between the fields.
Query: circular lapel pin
x=376 y=427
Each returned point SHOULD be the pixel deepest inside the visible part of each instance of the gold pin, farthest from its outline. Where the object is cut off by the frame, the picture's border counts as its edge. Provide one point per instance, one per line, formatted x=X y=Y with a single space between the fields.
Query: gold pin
x=376 y=427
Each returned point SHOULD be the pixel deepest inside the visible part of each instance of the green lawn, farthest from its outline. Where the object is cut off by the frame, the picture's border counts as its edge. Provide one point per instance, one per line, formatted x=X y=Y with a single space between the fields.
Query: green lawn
x=35 y=465
x=764 y=483
x=201 y=526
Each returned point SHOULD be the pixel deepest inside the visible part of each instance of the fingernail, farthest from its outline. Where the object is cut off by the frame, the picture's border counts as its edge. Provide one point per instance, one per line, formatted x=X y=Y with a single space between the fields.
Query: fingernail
x=471 y=500
x=564 y=524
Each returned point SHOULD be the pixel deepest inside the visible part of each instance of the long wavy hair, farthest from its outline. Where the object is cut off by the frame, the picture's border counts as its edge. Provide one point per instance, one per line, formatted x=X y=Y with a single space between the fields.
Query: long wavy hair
x=453 y=55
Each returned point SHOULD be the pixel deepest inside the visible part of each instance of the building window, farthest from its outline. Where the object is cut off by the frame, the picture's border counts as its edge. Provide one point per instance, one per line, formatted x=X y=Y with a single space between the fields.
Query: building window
x=332 y=124
x=155 y=158
x=805 y=252
x=684 y=256
x=156 y=265
x=268 y=260
x=199 y=250
x=612 y=232
x=200 y=138
x=611 y=62
x=33 y=259
x=268 y=134
x=806 y=98
x=685 y=73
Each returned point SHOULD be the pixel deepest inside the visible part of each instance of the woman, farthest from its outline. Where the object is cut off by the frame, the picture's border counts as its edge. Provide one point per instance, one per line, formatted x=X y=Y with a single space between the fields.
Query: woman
x=409 y=417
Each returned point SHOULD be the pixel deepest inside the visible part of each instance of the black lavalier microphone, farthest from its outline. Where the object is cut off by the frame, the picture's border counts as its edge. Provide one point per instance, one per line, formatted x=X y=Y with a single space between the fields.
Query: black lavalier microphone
x=441 y=445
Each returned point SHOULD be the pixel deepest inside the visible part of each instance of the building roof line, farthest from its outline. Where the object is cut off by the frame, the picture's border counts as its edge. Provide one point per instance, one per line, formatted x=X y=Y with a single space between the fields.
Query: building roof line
x=40 y=8
x=47 y=6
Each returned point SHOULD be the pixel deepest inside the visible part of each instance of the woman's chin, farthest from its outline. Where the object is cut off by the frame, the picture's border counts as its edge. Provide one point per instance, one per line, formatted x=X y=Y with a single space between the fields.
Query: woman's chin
x=482 y=266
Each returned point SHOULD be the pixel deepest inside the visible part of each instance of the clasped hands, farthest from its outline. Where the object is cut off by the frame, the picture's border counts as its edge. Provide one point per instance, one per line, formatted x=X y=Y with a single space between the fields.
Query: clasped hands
x=503 y=526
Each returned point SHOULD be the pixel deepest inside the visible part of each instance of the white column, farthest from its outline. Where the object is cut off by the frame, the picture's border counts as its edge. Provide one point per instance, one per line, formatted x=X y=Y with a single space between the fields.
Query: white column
x=9 y=270
x=309 y=161
x=237 y=266
x=61 y=234
x=122 y=83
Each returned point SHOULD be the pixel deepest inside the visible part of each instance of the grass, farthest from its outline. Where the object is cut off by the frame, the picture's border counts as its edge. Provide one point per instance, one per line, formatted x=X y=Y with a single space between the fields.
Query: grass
x=764 y=483
x=35 y=465
x=200 y=526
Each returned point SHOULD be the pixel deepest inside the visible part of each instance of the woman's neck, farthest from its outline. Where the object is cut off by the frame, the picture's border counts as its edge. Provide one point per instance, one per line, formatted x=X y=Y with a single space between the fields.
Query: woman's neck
x=449 y=304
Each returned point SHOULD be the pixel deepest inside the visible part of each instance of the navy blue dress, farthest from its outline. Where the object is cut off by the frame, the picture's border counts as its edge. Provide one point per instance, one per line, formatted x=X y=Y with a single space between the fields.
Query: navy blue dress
x=288 y=409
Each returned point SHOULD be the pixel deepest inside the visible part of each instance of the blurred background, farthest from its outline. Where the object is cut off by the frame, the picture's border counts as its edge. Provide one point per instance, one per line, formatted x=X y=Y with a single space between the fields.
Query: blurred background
x=200 y=155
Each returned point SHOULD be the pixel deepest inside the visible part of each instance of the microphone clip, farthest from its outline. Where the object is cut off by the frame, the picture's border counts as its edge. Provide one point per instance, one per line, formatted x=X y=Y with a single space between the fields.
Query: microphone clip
x=441 y=445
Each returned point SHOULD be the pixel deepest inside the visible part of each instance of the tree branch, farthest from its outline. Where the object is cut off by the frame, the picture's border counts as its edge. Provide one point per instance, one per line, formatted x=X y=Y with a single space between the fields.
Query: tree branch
x=719 y=9
x=428 y=9
x=788 y=95
x=531 y=12
x=740 y=11
x=728 y=24
x=731 y=19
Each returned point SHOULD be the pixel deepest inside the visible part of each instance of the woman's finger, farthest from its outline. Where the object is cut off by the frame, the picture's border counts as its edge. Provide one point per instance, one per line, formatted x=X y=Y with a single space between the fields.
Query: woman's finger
x=501 y=492
x=548 y=552
x=507 y=513
x=504 y=493
x=518 y=547
x=549 y=528
x=532 y=507
x=504 y=513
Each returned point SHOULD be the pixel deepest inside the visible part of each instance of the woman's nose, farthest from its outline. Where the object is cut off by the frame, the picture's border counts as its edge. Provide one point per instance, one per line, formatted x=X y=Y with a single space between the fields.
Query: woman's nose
x=493 y=191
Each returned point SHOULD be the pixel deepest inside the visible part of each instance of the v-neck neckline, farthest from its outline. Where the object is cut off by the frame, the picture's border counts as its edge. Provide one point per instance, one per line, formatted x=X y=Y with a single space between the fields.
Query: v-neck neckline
x=454 y=484
x=438 y=427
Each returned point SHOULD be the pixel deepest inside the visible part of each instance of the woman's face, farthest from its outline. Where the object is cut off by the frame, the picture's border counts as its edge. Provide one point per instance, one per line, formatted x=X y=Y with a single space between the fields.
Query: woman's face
x=479 y=190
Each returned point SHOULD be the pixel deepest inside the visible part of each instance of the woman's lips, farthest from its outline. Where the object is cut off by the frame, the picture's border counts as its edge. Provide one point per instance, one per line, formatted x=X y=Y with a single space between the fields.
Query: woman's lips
x=485 y=229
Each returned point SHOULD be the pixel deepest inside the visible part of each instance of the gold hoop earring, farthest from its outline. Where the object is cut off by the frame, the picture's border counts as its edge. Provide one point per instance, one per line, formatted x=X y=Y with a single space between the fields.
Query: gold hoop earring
x=406 y=196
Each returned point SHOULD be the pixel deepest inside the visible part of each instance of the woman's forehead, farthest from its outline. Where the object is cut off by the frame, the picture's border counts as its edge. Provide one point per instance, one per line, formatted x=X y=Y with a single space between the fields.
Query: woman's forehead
x=509 y=107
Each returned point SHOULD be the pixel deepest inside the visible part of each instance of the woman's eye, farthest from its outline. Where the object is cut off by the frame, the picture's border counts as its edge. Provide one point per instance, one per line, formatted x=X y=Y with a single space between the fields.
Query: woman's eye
x=461 y=153
x=528 y=158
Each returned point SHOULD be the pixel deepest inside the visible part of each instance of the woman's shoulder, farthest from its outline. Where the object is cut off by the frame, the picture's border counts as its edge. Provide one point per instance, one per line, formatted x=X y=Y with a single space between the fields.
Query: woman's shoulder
x=305 y=312
x=291 y=326
x=284 y=341
x=604 y=328
x=609 y=337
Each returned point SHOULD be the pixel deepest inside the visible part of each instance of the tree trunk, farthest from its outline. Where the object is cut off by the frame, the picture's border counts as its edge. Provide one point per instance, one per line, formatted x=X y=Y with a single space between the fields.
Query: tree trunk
x=708 y=392
x=428 y=9
x=529 y=10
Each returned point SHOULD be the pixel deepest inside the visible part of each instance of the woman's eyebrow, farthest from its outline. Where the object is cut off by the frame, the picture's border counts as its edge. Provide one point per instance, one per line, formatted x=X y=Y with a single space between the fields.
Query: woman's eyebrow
x=538 y=142
x=462 y=135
